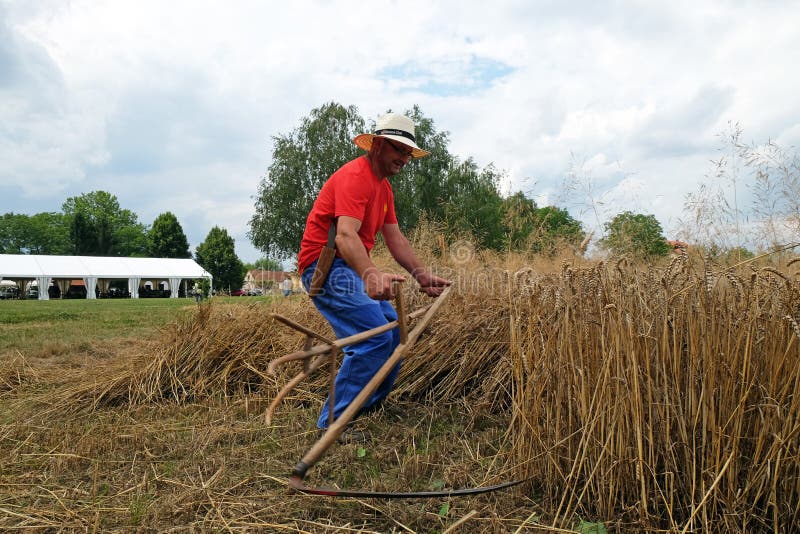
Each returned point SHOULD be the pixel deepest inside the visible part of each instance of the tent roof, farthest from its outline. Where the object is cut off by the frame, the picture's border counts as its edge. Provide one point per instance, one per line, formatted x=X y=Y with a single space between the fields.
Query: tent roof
x=32 y=266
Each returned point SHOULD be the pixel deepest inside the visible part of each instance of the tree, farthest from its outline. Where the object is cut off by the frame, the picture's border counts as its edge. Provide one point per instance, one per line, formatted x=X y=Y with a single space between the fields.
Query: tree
x=265 y=264
x=440 y=187
x=43 y=233
x=519 y=220
x=216 y=255
x=422 y=188
x=49 y=234
x=99 y=227
x=13 y=227
x=546 y=229
x=473 y=205
x=166 y=238
x=82 y=234
x=635 y=234
x=555 y=228
x=301 y=163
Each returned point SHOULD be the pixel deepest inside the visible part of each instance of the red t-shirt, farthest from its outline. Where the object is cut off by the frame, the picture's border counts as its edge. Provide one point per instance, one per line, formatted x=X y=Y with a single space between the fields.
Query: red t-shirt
x=353 y=191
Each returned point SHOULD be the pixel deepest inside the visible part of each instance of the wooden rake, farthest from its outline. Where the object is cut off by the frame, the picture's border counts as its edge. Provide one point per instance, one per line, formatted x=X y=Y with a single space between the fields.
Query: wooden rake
x=328 y=350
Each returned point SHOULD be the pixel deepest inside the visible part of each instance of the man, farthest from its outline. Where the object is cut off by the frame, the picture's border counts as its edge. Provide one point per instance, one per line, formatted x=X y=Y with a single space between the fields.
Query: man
x=358 y=200
x=286 y=286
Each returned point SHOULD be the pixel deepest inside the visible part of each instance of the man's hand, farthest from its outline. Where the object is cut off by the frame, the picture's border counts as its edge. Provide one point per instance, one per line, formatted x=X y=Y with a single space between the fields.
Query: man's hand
x=430 y=284
x=381 y=286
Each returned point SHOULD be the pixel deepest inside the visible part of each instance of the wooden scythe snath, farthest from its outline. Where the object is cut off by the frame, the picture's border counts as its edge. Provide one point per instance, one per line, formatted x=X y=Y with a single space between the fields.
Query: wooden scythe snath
x=328 y=350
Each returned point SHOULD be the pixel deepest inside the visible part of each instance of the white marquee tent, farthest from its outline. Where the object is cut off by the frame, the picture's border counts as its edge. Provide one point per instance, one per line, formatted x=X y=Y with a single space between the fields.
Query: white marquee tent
x=97 y=272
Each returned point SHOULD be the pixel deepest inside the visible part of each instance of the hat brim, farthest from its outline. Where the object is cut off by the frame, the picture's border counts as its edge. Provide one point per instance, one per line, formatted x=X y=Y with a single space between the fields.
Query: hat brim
x=364 y=141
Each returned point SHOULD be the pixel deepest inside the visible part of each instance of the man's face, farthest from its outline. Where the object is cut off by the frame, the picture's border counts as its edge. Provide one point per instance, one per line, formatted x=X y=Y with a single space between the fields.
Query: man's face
x=392 y=156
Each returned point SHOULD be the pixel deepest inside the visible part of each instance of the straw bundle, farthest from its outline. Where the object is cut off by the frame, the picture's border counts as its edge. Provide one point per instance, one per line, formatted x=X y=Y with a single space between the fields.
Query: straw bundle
x=218 y=350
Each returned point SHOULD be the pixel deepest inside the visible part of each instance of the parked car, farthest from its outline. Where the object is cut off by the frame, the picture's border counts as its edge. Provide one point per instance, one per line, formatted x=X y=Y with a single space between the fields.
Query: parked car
x=238 y=293
x=75 y=292
x=9 y=292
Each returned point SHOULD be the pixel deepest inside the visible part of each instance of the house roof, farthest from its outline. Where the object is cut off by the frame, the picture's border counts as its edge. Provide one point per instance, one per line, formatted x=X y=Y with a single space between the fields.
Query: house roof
x=259 y=275
x=33 y=266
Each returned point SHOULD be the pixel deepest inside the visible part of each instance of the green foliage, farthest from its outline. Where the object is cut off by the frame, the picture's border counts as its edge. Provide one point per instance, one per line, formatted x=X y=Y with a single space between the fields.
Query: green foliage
x=635 y=234
x=13 y=230
x=49 y=234
x=301 y=162
x=726 y=256
x=588 y=527
x=519 y=220
x=43 y=233
x=99 y=227
x=422 y=188
x=204 y=286
x=265 y=264
x=554 y=229
x=217 y=256
x=82 y=234
x=540 y=230
x=166 y=238
x=473 y=204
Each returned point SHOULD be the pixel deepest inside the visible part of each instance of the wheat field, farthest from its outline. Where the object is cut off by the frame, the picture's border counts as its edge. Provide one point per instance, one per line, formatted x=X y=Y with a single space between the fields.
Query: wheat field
x=631 y=398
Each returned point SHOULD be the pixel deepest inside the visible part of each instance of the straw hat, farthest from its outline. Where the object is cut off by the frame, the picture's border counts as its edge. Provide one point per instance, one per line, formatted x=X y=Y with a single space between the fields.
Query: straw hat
x=395 y=127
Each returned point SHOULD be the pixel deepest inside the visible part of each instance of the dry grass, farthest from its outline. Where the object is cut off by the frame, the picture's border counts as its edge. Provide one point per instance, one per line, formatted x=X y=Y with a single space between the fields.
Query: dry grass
x=651 y=398
x=664 y=398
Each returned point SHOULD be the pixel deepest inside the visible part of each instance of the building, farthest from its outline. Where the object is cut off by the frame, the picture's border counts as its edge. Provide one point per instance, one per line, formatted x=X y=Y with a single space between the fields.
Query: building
x=141 y=276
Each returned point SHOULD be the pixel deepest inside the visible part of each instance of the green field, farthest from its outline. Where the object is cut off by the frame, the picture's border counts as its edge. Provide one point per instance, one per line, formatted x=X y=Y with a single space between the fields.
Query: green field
x=31 y=324
x=28 y=325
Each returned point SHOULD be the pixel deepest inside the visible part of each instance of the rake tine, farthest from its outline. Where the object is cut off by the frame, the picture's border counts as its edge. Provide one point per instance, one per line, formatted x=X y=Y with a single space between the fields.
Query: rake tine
x=315 y=364
x=339 y=343
x=334 y=430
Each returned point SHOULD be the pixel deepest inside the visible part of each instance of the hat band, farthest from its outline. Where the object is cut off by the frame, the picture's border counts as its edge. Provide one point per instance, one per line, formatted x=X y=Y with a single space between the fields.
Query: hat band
x=401 y=133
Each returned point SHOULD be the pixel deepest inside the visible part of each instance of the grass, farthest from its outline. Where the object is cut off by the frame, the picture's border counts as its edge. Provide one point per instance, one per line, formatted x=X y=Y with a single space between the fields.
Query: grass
x=33 y=325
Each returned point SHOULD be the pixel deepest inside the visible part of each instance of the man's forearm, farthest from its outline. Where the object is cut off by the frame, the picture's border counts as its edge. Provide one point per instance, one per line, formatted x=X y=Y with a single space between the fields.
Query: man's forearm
x=353 y=252
x=403 y=253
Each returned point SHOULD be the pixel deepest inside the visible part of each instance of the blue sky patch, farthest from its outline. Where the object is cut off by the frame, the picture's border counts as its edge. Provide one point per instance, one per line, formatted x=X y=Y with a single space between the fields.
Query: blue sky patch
x=447 y=77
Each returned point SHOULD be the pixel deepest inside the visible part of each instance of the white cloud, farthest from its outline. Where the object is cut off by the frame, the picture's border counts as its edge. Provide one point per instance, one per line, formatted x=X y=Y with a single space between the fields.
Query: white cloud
x=179 y=100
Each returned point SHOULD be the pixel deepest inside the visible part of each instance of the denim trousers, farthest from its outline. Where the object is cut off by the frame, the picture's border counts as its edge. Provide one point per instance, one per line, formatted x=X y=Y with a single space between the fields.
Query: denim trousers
x=345 y=304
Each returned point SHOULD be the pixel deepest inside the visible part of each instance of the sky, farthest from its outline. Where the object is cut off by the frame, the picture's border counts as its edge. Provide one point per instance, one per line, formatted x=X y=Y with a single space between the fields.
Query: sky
x=173 y=106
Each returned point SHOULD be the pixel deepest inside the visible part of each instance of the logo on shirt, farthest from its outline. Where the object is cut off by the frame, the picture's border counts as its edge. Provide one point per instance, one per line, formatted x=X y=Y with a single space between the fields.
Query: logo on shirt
x=385 y=207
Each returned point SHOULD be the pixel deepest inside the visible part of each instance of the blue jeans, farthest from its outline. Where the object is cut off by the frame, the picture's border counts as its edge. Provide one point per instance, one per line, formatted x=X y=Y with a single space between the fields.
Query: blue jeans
x=345 y=304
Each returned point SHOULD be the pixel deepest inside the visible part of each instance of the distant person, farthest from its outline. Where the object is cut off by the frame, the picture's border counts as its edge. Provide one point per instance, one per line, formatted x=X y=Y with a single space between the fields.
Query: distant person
x=198 y=293
x=287 y=286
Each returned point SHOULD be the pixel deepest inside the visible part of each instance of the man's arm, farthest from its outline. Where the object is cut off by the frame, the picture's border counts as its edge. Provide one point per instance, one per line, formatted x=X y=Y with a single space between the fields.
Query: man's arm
x=378 y=285
x=403 y=253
